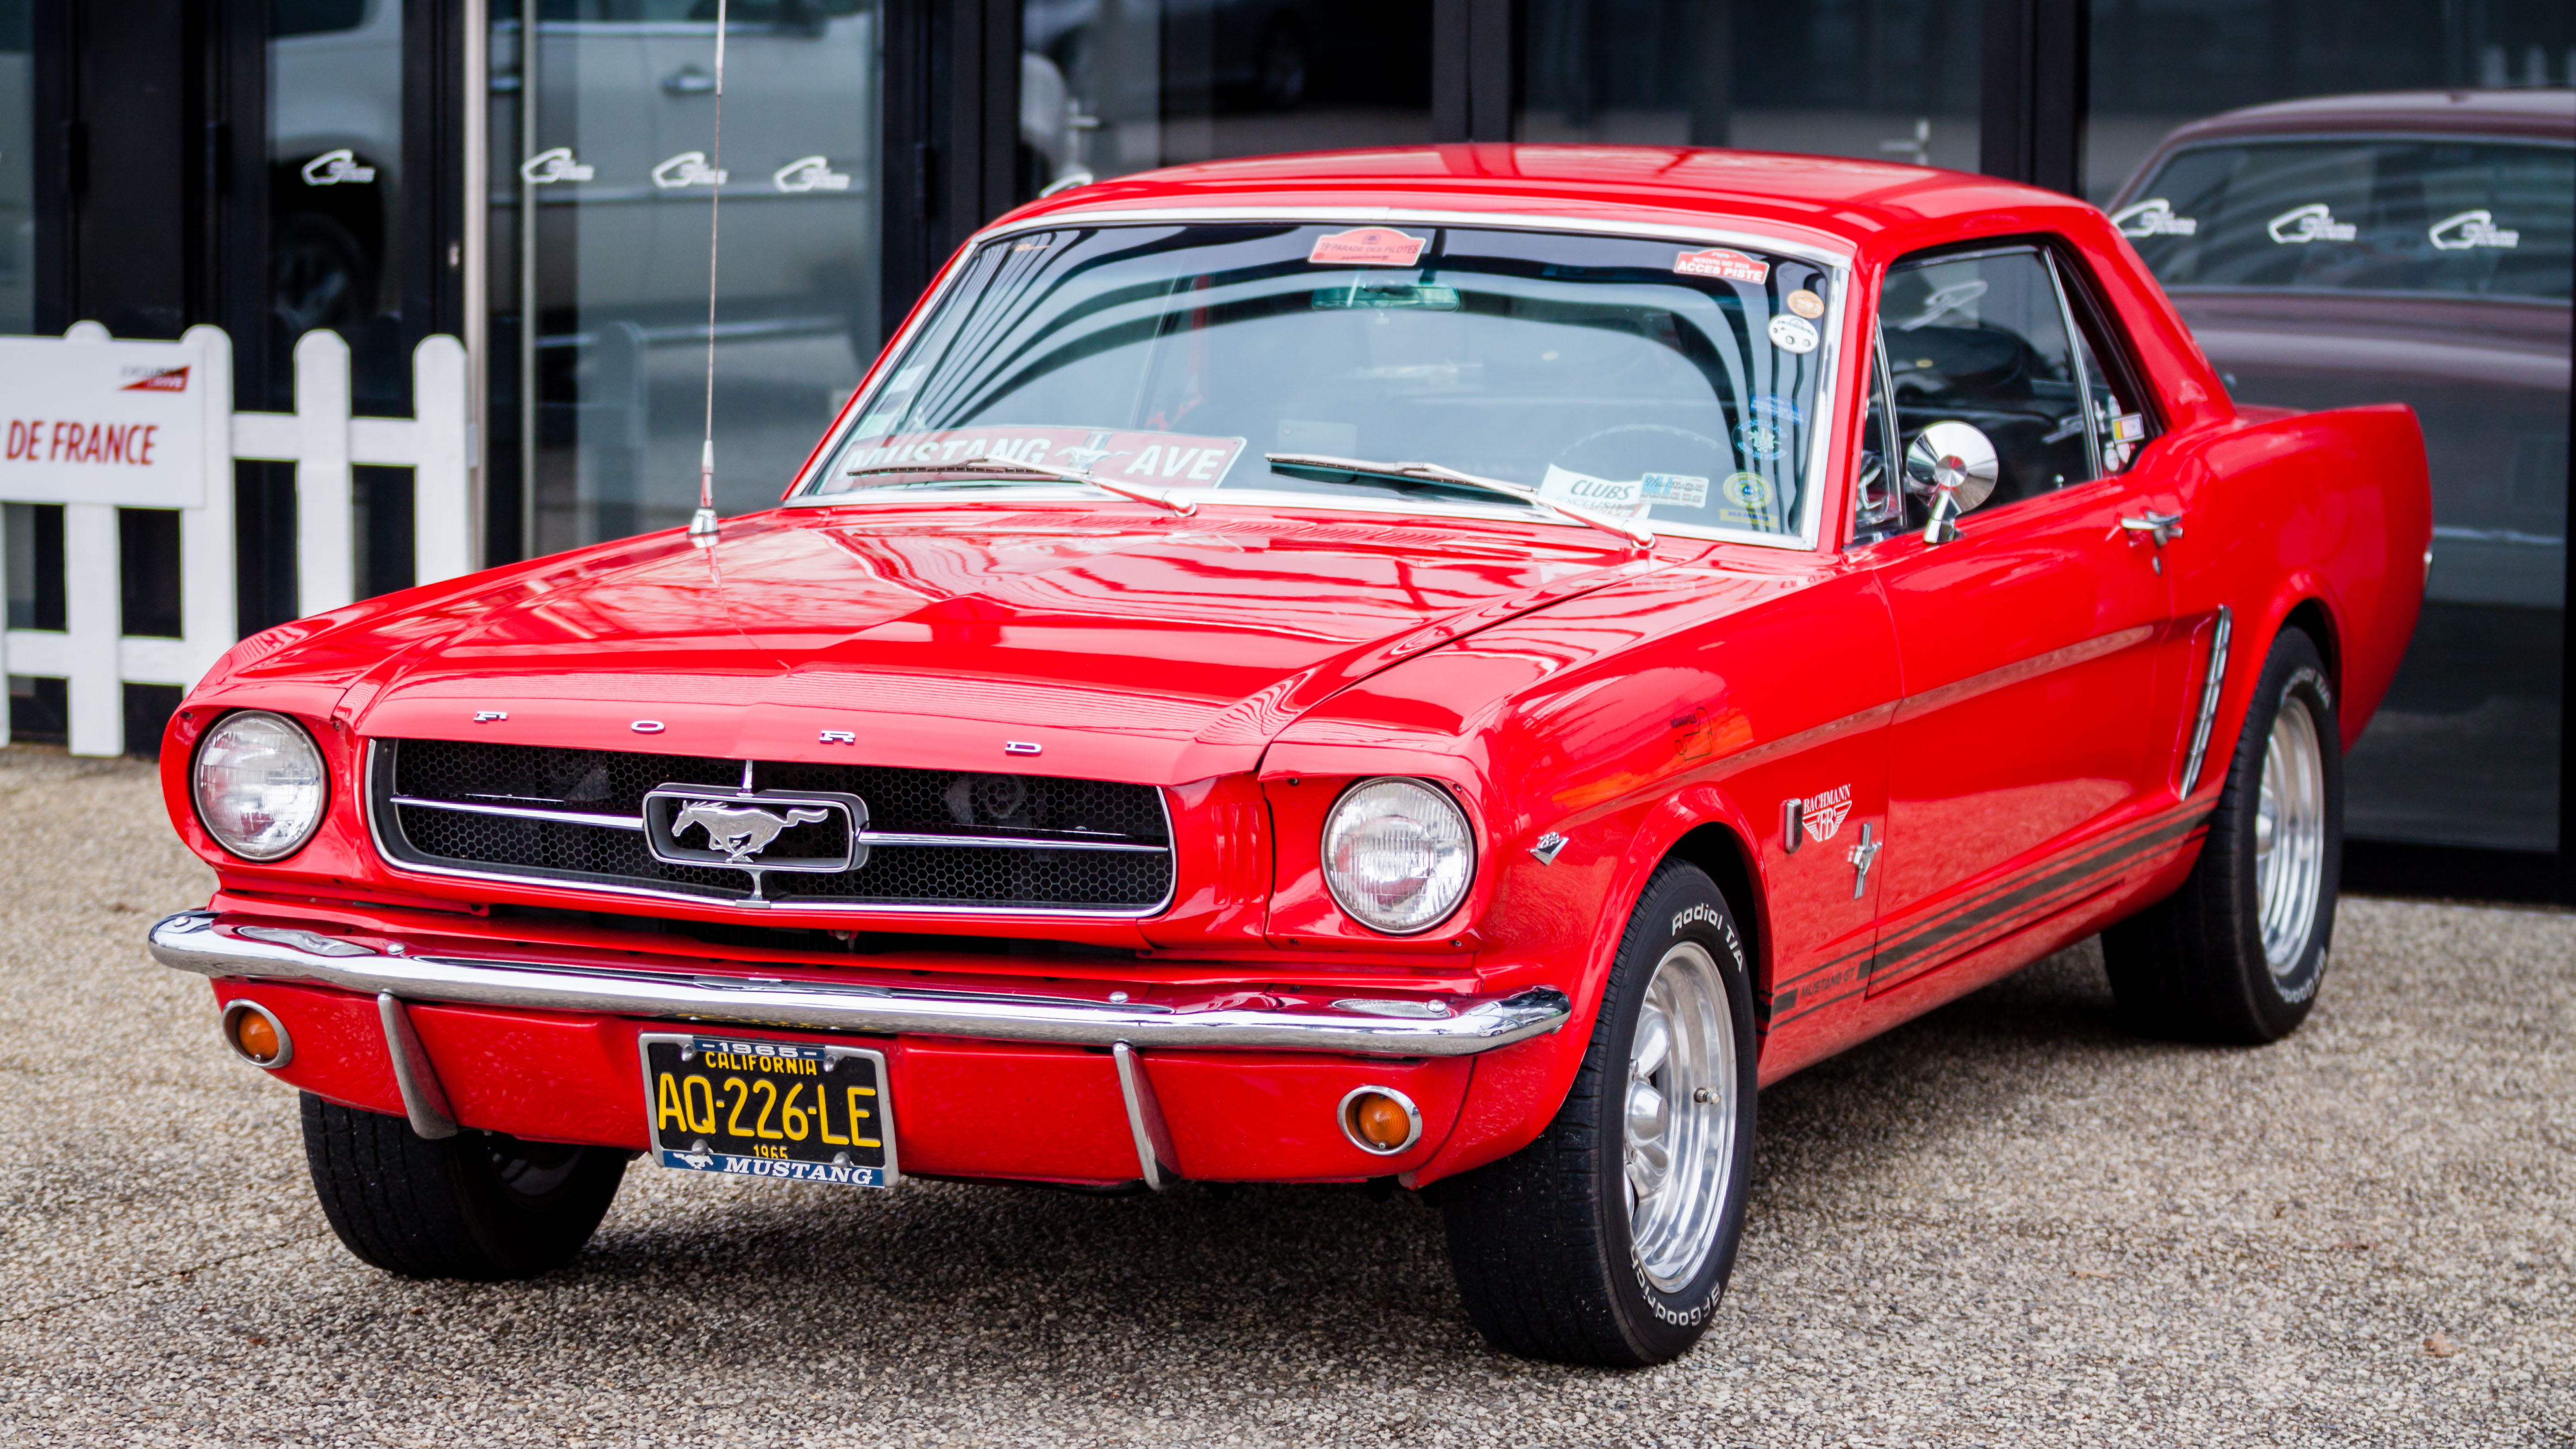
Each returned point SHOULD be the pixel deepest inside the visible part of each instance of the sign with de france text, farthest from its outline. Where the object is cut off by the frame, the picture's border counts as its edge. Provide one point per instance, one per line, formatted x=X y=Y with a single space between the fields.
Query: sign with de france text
x=102 y=422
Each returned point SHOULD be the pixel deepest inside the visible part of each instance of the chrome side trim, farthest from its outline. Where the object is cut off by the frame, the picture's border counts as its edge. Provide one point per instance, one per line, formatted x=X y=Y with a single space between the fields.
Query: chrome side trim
x=424 y=1100
x=2209 y=692
x=1154 y=1154
x=369 y=802
x=204 y=943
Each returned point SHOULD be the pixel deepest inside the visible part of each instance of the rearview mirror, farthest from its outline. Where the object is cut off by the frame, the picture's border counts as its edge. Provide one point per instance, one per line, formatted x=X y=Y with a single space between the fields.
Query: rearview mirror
x=1953 y=465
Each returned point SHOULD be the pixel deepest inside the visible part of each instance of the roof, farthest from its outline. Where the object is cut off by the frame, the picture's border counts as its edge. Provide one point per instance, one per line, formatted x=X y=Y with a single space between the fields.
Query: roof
x=1830 y=197
x=2535 y=114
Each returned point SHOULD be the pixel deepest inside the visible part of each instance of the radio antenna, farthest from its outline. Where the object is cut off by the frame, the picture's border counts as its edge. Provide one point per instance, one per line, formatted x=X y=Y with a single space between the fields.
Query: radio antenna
x=702 y=524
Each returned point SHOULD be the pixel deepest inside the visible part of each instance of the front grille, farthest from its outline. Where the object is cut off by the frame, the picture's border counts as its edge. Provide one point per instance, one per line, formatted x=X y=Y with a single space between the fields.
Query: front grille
x=970 y=841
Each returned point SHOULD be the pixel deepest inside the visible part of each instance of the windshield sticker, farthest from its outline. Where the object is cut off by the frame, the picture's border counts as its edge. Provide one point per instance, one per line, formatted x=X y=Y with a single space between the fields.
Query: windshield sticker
x=1369 y=246
x=2311 y=223
x=1172 y=460
x=2128 y=427
x=1594 y=495
x=1778 y=409
x=1745 y=501
x=2153 y=217
x=1682 y=490
x=1793 y=334
x=1805 y=303
x=1759 y=439
x=2471 y=229
x=1724 y=264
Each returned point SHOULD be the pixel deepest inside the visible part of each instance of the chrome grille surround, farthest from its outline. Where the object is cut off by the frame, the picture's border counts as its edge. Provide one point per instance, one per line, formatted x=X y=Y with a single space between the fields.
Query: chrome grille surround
x=589 y=838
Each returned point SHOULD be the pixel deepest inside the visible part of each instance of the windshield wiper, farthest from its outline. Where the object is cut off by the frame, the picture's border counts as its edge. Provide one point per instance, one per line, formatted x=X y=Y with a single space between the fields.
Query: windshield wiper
x=1637 y=534
x=986 y=465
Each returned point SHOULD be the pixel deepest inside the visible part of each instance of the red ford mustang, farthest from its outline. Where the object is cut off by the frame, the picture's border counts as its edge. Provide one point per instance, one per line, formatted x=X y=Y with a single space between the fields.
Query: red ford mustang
x=1452 y=665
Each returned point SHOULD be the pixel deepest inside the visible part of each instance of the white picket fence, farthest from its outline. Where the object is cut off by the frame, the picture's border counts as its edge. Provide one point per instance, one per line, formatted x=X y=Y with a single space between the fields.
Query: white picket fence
x=324 y=442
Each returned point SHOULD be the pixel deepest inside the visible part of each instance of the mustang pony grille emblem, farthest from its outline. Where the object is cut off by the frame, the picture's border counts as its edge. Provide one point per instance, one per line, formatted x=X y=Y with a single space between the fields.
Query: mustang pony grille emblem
x=742 y=831
x=755 y=831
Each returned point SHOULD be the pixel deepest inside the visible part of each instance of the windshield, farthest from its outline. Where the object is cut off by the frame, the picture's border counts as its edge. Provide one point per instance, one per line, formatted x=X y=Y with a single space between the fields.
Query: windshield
x=1633 y=379
x=2444 y=217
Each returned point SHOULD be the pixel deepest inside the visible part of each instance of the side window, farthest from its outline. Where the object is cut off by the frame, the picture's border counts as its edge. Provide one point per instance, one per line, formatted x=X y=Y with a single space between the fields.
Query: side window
x=2122 y=423
x=1982 y=339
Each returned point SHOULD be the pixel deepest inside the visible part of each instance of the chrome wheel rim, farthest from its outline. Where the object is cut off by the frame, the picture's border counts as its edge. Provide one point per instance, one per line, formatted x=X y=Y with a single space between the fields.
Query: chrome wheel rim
x=1678 y=1116
x=2290 y=835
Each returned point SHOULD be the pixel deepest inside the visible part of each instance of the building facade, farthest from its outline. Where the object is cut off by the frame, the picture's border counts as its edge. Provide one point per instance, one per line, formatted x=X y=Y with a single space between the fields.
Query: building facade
x=532 y=177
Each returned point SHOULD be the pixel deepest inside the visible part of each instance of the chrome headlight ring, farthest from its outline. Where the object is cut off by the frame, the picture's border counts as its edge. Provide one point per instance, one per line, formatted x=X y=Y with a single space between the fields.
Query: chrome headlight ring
x=1399 y=854
x=259 y=784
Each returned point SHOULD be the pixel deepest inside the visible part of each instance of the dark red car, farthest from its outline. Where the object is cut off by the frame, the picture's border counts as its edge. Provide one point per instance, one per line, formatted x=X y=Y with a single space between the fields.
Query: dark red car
x=2414 y=248
x=1447 y=665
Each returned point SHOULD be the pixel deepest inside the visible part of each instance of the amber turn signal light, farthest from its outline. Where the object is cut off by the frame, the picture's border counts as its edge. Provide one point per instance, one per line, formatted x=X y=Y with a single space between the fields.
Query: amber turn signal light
x=256 y=1035
x=1380 y=1121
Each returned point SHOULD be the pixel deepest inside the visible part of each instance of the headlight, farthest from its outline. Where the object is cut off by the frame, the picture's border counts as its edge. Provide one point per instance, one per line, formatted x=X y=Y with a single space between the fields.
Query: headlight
x=260 y=785
x=1397 y=854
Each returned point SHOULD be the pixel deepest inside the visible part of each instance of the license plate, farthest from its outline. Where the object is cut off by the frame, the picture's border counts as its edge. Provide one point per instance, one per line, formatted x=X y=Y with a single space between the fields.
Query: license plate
x=782 y=1109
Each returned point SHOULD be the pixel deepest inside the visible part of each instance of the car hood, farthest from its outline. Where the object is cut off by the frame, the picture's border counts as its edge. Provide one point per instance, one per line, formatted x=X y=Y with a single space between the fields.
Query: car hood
x=1105 y=643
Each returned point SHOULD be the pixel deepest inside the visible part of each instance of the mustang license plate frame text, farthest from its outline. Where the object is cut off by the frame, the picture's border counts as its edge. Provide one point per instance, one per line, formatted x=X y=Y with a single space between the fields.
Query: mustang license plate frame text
x=795 y=1111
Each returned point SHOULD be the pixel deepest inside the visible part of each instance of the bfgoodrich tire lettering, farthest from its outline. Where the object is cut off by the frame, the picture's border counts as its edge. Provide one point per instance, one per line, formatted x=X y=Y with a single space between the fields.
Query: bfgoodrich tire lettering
x=2236 y=954
x=1610 y=1239
x=477 y=1205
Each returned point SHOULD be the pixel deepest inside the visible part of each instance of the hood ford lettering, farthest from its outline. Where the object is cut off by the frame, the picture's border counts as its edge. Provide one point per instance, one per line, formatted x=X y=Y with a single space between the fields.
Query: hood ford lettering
x=646 y=727
x=486 y=716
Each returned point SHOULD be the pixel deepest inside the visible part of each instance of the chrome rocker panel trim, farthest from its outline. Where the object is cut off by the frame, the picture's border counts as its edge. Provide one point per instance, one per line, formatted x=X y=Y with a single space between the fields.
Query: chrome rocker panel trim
x=199 y=941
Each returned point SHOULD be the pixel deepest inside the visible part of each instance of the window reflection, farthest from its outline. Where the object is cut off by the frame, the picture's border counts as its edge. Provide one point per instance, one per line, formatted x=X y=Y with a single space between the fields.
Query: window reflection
x=1892 y=80
x=2370 y=201
x=1113 y=86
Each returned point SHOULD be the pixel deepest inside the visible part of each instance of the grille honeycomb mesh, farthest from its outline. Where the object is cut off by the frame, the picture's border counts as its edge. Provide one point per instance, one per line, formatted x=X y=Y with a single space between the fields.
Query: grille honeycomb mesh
x=608 y=782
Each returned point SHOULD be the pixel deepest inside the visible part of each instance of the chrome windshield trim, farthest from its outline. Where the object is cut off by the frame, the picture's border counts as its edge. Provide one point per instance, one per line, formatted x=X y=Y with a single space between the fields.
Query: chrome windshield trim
x=1805 y=251
x=1834 y=326
x=209 y=945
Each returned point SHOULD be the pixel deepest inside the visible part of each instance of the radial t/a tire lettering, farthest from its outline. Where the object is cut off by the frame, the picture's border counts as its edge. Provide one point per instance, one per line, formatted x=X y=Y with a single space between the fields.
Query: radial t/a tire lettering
x=1610 y=1238
x=2237 y=953
x=478 y=1205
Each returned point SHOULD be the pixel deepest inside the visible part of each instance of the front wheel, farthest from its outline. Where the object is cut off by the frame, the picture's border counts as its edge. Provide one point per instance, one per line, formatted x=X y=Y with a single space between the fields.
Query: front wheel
x=2236 y=954
x=478 y=1205
x=1609 y=1239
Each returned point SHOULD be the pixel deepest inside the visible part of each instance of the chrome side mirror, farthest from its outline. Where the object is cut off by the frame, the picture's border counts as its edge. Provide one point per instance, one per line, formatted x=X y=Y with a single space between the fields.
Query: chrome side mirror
x=1952 y=464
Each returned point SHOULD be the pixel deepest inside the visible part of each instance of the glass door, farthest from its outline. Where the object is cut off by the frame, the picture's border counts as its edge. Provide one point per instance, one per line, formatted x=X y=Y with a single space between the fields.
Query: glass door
x=606 y=162
x=2371 y=201
x=1891 y=80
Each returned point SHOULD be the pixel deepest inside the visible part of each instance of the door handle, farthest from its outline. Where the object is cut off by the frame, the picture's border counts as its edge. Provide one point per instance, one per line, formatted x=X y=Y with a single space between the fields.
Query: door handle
x=2164 y=526
x=688 y=80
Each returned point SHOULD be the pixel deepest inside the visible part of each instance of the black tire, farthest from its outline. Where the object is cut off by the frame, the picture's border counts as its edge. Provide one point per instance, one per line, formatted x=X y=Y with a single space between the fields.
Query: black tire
x=2194 y=966
x=478 y=1205
x=1540 y=1241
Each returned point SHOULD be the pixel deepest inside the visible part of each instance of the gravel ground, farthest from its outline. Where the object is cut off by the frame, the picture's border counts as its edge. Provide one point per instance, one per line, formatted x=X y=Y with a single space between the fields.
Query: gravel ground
x=2005 y=1223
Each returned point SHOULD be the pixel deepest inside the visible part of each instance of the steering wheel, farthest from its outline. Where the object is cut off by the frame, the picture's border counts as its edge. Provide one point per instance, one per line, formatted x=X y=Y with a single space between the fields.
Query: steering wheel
x=1719 y=461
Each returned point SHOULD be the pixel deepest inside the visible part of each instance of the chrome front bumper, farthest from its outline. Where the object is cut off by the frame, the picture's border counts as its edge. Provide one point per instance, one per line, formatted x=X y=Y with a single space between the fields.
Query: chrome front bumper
x=202 y=942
